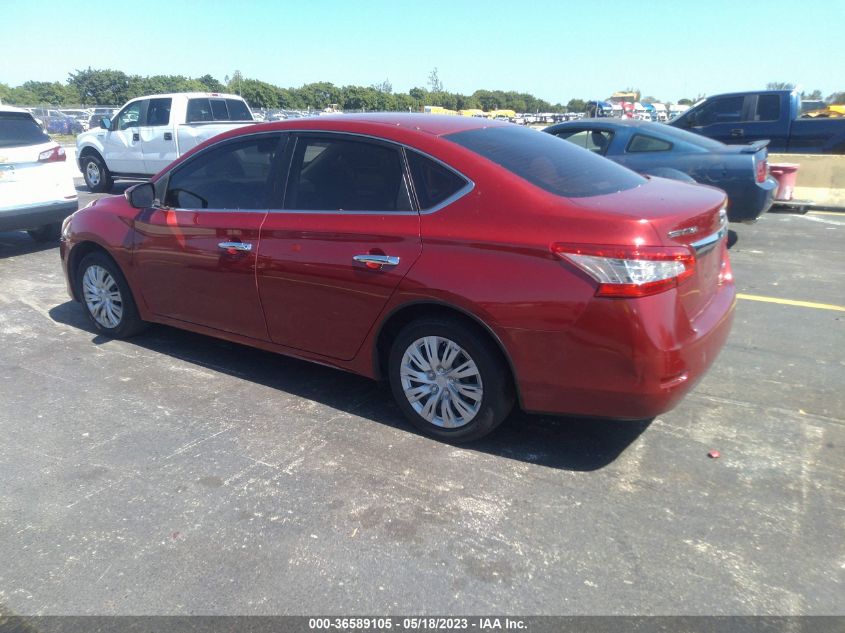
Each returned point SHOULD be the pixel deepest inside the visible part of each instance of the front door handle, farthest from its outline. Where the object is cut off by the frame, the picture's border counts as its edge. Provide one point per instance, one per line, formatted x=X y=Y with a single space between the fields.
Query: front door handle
x=235 y=246
x=376 y=261
x=168 y=136
x=136 y=137
x=737 y=132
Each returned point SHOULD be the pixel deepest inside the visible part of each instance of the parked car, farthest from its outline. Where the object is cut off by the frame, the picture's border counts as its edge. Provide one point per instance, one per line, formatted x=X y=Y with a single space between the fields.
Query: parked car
x=56 y=122
x=660 y=150
x=150 y=132
x=82 y=116
x=472 y=263
x=773 y=115
x=36 y=187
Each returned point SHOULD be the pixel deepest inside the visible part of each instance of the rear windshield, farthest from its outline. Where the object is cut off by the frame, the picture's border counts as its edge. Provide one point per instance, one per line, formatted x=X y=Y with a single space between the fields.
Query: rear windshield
x=548 y=162
x=213 y=109
x=18 y=129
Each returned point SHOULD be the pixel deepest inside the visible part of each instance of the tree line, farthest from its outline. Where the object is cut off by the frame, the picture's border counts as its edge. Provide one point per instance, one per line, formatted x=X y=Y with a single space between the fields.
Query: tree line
x=92 y=87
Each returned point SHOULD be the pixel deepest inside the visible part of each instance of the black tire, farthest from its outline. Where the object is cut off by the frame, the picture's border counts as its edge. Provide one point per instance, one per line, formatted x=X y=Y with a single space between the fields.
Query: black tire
x=46 y=233
x=130 y=322
x=101 y=183
x=497 y=394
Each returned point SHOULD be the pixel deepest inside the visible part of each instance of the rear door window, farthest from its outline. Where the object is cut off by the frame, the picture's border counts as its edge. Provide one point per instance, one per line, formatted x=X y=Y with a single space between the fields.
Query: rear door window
x=19 y=129
x=335 y=173
x=543 y=160
x=433 y=182
x=768 y=108
x=204 y=109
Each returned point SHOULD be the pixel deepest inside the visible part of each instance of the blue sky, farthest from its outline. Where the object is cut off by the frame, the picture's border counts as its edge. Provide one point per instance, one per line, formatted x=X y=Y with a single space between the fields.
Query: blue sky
x=554 y=50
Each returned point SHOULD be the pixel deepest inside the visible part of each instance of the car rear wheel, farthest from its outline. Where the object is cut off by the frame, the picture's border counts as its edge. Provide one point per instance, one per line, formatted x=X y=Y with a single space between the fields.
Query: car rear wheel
x=449 y=380
x=106 y=297
x=96 y=174
x=46 y=233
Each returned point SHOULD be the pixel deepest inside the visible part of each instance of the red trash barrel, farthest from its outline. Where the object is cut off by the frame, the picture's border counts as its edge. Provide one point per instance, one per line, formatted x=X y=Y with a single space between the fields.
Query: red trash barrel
x=785 y=174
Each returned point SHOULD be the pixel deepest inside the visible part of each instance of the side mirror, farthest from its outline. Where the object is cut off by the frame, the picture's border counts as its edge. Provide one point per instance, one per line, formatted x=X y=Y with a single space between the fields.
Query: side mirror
x=105 y=123
x=141 y=196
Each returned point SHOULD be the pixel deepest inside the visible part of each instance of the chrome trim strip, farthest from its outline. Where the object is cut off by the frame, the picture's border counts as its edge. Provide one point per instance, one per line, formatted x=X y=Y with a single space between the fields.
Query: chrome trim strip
x=381 y=260
x=237 y=246
x=706 y=244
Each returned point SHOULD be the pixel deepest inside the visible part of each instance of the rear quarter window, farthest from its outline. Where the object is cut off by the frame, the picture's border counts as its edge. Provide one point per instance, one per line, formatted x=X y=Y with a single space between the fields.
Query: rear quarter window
x=548 y=162
x=19 y=129
x=433 y=182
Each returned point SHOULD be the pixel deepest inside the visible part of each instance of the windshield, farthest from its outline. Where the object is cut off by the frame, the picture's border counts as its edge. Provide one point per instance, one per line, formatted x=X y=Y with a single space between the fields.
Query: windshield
x=548 y=162
x=18 y=129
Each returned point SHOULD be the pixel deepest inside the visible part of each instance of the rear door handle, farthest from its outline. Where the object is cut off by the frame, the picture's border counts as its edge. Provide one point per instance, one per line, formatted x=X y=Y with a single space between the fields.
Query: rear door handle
x=136 y=137
x=235 y=246
x=737 y=132
x=168 y=136
x=376 y=261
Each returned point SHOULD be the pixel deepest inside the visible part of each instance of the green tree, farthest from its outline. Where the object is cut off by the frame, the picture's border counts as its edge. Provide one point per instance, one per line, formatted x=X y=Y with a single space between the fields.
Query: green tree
x=779 y=85
x=259 y=94
x=211 y=84
x=836 y=97
x=685 y=101
x=100 y=87
x=576 y=105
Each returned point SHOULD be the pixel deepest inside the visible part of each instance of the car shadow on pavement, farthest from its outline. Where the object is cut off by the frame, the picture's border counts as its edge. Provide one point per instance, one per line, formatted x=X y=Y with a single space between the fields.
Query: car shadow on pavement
x=118 y=189
x=565 y=443
x=15 y=243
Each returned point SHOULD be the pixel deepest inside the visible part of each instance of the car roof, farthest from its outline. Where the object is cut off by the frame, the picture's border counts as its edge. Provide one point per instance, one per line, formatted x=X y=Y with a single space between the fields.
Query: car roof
x=189 y=95
x=433 y=124
x=7 y=108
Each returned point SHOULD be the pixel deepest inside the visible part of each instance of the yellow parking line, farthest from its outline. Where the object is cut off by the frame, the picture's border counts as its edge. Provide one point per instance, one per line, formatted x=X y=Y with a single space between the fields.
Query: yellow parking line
x=791 y=302
x=839 y=213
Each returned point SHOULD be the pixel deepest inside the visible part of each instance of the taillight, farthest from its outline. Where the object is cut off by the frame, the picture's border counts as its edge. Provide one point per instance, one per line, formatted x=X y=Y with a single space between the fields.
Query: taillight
x=54 y=155
x=630 y=271
x=762 y=170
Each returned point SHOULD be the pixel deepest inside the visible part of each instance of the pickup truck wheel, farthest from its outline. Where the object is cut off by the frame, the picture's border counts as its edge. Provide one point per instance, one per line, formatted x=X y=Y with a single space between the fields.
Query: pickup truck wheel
x=106 y=297
x=96 y=174
x=46 y=233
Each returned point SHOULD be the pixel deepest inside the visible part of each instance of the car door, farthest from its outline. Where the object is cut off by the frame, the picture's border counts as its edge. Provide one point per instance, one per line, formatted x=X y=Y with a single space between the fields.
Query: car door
x=345 y=236
x=195 y=255
x=157 y=136
x=122 y=143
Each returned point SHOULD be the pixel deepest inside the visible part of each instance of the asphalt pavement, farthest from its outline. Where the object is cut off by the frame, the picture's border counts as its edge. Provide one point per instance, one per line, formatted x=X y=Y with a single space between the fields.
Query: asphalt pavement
x=173 y=473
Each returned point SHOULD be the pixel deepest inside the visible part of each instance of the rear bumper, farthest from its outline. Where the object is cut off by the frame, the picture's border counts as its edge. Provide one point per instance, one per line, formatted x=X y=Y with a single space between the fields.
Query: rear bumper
x=642 y=359
x=35 y=216
x=746 y=204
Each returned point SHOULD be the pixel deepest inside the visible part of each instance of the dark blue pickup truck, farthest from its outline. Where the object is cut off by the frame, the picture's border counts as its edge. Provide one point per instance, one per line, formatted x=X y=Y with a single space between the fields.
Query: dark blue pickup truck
x=774 y=115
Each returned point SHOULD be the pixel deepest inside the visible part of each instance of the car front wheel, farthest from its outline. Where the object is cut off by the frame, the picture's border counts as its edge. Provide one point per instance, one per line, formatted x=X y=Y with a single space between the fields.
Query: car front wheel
x=449 y=379
x=96 y=174
x=106 y=297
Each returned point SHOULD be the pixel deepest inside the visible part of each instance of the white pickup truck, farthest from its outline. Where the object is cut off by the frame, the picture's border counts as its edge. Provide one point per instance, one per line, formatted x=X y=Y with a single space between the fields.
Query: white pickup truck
x=151 y=132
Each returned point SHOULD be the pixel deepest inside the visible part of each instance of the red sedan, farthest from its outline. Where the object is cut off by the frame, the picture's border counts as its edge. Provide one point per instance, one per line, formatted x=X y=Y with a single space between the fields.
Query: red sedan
x=473 y=264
